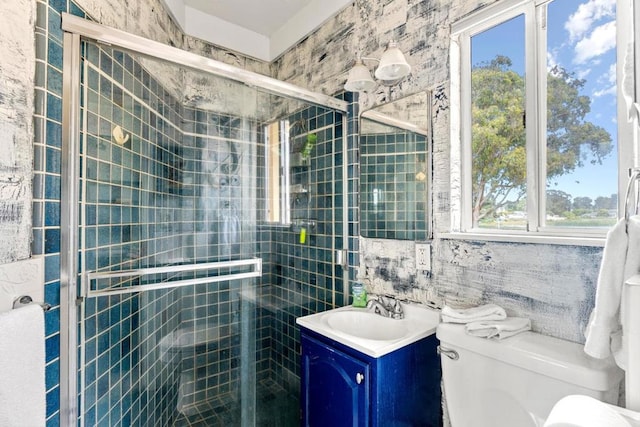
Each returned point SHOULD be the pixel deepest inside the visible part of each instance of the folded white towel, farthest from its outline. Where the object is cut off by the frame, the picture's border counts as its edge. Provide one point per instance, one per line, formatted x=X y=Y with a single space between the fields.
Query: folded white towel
x=22 y=385
x=498 y=329
x=474 y=314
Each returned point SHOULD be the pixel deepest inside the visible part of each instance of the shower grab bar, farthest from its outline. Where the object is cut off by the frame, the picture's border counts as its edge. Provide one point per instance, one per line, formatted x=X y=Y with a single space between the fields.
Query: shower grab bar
x=634 y=175
x=256 y=263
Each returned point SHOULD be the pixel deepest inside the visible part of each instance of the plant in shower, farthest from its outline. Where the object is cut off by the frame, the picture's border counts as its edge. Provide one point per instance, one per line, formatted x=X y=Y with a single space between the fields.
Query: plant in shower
x=309 y=143
x=308 y=146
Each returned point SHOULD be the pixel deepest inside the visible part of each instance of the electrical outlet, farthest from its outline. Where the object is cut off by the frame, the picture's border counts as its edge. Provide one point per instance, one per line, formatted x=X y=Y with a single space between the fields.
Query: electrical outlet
x=423 y=256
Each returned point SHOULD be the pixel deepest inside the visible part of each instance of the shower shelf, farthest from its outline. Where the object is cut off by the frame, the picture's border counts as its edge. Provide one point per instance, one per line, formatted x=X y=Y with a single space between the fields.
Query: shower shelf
x=298 y=189
x=299 y=223
x=94 y=277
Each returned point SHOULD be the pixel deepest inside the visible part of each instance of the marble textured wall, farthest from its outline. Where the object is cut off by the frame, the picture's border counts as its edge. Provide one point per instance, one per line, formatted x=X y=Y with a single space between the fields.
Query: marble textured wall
x=16 y=129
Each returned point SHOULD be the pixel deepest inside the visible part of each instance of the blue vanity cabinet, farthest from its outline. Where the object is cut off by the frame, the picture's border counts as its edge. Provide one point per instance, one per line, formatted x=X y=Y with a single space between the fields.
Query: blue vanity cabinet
x=334 y=386
x=344 y=387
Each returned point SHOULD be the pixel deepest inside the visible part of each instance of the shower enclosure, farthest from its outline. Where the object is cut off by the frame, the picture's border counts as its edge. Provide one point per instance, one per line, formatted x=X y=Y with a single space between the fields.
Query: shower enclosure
x=193 y=234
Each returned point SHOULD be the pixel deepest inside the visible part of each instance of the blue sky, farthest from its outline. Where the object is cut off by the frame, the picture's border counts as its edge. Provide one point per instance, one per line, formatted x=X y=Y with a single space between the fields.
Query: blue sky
x=581 y=39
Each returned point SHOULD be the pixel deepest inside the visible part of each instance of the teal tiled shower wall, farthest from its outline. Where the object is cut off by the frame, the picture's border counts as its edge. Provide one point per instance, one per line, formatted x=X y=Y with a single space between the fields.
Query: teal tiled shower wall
x=132 y=196
x=391 y=195
x=47 y=180
x=165 y=196
x=300 y=277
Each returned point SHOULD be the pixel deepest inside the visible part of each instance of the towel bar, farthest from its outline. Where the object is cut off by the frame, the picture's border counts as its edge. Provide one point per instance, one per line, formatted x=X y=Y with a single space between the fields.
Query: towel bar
x=26 y=300
x=93 y=276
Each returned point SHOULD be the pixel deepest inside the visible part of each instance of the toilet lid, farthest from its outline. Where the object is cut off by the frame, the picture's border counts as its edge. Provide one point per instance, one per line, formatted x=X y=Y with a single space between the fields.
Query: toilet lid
x=585 y=411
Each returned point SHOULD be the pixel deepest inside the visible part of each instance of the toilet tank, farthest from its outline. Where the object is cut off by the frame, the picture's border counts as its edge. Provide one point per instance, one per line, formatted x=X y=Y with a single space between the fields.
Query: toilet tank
x=516 y=381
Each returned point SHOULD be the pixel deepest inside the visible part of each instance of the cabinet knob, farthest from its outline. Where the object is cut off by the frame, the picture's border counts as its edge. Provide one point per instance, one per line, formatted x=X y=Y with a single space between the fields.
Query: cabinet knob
x=359 y=377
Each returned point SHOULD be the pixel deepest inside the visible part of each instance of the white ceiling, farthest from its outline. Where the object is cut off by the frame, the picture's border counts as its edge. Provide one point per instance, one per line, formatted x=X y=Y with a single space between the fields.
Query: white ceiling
x=263 y=29
x=262 y=16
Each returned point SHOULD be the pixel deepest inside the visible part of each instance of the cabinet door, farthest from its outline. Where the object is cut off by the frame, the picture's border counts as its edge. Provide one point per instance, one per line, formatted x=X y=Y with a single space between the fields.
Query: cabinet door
x=335 y=389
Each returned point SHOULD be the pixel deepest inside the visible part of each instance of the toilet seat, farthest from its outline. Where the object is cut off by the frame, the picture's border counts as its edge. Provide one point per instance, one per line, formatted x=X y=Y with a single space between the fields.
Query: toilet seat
x=585 y=411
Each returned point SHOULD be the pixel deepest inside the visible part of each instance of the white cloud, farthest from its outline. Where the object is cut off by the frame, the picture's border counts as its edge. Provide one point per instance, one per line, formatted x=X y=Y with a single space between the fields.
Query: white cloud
x=601 y=40
x=611 y=73
x=604 y=92
x=551 y=60
x=581 y=21
x=582 y=74
x=608 y=82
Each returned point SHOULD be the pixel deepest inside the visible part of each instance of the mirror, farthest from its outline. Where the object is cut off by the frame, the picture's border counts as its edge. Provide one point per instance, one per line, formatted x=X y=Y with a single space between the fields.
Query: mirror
x=395 y=169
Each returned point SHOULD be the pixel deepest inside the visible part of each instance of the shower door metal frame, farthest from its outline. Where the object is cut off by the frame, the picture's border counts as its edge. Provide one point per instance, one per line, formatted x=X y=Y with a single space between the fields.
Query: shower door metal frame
x=74 y=28
x=69 y=223
x=121 y=39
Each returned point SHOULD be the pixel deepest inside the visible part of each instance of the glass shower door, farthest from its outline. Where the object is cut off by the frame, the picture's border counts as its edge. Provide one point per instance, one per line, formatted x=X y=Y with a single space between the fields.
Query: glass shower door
x=167 y=244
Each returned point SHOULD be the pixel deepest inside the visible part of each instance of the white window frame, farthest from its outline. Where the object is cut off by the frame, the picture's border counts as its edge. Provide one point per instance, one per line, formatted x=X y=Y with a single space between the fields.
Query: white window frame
x=535 y=65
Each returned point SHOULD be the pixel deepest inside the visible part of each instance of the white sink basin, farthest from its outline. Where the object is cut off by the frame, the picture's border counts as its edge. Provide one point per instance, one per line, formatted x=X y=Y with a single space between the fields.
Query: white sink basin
x=367 y=325
x=371 y=333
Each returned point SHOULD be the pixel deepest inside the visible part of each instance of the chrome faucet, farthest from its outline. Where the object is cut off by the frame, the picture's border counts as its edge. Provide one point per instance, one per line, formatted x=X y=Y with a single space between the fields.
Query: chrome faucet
x=378 y=307
x=386 y=306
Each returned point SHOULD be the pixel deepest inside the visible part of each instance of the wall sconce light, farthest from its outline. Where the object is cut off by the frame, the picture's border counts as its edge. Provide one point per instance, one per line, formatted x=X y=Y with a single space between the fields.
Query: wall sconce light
x=392 y=68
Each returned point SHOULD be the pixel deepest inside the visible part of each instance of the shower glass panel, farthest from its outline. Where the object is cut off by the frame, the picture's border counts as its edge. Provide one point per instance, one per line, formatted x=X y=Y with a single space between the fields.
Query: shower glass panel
x=172 y=198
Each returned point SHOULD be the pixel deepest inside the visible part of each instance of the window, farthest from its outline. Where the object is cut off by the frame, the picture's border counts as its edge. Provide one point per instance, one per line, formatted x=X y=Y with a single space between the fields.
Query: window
x=277 y=172
x=535 y=85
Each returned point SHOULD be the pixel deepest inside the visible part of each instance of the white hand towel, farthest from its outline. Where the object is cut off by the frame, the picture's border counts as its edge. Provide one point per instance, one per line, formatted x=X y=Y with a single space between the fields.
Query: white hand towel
x=620 y=261
x=22 y=389
x=498 y=329
x=474 y=314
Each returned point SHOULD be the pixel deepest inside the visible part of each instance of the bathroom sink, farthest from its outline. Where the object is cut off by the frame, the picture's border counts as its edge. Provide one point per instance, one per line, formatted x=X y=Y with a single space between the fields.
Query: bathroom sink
x=367 y=325
x=370 y=333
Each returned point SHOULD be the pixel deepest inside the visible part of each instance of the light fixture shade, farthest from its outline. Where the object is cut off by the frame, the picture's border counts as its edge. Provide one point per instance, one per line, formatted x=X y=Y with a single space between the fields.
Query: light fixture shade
x=393 y=65
x=360 y=79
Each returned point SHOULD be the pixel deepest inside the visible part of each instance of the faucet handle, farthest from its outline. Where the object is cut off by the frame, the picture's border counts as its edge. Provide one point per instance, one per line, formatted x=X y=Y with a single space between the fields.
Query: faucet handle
x=387 y=300
x=398 y=312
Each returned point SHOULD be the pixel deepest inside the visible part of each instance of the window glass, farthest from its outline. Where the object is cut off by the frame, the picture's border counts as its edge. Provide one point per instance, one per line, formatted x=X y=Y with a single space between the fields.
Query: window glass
x=581 y=135
x=277 y=172
x=499 y=158
x=273 y=172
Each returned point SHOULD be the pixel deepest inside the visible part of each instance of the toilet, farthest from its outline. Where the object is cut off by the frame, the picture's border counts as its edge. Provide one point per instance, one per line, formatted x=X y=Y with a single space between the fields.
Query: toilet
x=516 y=382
